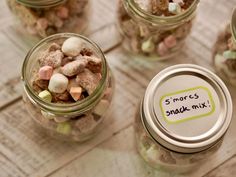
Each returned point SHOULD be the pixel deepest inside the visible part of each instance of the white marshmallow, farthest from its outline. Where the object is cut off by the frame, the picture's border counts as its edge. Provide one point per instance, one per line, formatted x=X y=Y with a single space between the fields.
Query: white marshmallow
x=72 y=46
x=58 y=83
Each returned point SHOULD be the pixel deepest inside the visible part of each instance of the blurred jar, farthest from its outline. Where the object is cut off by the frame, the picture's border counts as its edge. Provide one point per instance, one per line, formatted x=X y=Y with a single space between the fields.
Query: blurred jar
x=77 y=121
x=47 y=17
x=151 y=31
x=182 y=119
x=224 y=54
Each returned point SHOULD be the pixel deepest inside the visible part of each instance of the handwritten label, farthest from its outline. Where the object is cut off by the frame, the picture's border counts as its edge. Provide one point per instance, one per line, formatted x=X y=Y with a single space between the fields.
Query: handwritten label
x=187 y=104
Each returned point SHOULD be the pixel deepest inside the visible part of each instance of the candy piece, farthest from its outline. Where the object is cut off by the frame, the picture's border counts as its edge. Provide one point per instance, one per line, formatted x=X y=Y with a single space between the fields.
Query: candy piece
x=88 y=80
x=73 y=68
x=101 y=107
x=46 y=96
x=62 y=12
x=52 y=59
x=72 y=46
x=42 y=24
x=64 y=128
x=94 y=64
x=45 y=72
x=170 y=41
x=58 y=83
x=76 y=92
x=72 y=83
x=148 y=46
x=162 y=49
x=86 y=124
x=174 y=8
x=229 y=54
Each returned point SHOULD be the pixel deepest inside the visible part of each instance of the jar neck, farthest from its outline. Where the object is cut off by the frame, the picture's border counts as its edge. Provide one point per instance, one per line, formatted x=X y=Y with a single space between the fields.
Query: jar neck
x=41 y=3
x=136 y=12
x=66 y=109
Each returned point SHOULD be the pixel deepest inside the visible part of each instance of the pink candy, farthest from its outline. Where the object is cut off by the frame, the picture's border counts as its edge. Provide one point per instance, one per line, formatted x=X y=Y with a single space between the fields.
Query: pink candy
x=162 y=49
x=76 y=92
x=170 y=41
x=45 y=72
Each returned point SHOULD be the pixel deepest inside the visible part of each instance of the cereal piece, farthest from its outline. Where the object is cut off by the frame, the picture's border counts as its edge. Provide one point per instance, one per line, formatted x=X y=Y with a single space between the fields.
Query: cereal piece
x=62 y=12
x=88 y=80
x=57 y=97
x=148 y=46
x=76 y=92
x=231 y=44
x=101 y=107
x=66 y=60
x=42 y=84
x=46 y=96
x=162 y=49
x=58 y=83
x=42 y=24
x=86 y=51
x=86 y=124
x=180 y=2
x=73 y=68
x=52 y=58
x=94 y=64
x=54 y=47
x=45 y=72
x=170 y=41
x=72 y=46
x=64 y=128
x=229 y=54
x=159 y=5
x=174 y=8
x=144 y=4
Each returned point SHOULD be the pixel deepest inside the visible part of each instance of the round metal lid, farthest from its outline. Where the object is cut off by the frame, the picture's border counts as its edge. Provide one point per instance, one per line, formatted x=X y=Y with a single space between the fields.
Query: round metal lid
x=186 y=108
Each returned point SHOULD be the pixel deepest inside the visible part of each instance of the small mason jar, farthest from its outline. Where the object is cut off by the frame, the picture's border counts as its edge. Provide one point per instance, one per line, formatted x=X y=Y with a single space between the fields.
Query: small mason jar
x=181 y=122
x=77 y=121
x=44 y=18
x=224 y=53
x=155 y=36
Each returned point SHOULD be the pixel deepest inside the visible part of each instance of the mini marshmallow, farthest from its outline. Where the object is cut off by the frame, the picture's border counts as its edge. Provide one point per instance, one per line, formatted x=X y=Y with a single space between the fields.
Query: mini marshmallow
x=58 y=83
x=52 y=59
x=174 y=8
x=72 y=46
x=101 y=107
x=46 y=96
x=64 y=128
x=170 y=41
x=76 y=92
x=229 y=54
x=73 y=68
x=162 y=49
x=148 y=46
x=88 y=80
x=45 y=72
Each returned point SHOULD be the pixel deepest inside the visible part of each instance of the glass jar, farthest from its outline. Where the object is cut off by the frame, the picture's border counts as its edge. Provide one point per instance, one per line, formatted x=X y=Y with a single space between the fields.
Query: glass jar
x=185 y=112
x=158 y=37
x=77 y=121
x=224 y=54
x=44 y=18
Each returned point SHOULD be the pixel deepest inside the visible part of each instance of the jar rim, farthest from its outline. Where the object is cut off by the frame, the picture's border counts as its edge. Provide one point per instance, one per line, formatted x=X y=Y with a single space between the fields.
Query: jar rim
x=40 y=3
x=164 y=20
x=68 y=108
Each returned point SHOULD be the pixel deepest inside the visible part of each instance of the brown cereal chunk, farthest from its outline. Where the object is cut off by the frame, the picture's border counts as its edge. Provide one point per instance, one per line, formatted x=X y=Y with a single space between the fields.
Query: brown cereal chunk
x=61 y=97
x=94 y=64
x=73 y=68
x=52 y=58
x=54 y=47
x=88 y=80
x=86 y=52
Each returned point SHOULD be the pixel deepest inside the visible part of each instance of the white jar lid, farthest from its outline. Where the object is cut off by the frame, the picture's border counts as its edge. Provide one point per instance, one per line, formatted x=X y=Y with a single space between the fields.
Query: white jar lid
x=186 y=108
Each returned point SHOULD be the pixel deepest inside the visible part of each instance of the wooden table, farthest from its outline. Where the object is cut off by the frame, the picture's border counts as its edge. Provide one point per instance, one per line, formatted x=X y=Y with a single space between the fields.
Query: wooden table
x=112 y=153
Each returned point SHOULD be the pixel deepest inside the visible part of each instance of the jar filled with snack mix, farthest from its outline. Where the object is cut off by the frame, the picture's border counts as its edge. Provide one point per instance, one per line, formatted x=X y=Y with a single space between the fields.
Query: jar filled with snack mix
x=46 y=17
x=224 y=53
x=155 y=28
x=179 y=126
x=67 y=86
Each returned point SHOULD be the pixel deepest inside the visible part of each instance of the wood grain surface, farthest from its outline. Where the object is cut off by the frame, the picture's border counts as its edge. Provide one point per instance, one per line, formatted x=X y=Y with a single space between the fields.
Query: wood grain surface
x=26 y=152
